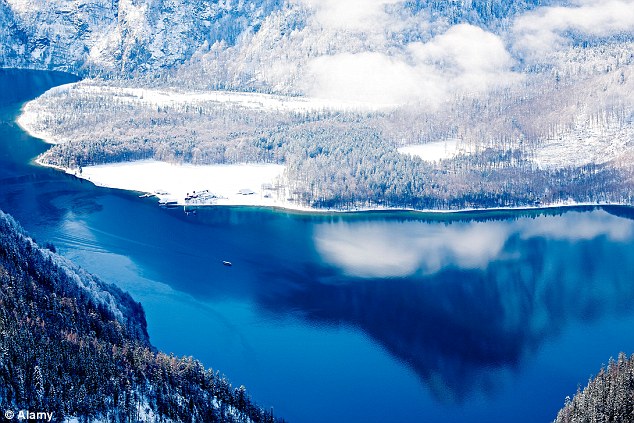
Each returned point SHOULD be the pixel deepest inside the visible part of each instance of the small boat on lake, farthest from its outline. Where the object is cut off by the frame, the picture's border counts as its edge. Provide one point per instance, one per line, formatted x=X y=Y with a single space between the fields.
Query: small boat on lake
x=227 y=263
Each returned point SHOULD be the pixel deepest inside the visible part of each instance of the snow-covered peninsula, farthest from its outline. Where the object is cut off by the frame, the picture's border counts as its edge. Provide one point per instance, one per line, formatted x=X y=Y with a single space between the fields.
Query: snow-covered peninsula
x=308 y=154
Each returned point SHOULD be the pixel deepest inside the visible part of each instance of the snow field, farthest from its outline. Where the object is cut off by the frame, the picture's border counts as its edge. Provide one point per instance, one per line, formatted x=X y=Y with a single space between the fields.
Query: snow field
x=234 y=184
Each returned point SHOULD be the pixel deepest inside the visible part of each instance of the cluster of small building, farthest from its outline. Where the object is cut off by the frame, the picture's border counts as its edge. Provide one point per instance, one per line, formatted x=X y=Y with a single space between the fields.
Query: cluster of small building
x=205 y=197
x=200 y=197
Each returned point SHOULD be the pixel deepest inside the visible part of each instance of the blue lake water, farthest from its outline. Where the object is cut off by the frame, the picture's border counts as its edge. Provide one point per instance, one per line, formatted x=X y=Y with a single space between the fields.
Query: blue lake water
x=375 y=317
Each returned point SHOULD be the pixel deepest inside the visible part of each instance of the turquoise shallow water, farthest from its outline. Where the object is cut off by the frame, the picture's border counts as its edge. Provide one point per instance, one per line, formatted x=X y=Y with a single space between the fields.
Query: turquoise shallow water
x=373 y=317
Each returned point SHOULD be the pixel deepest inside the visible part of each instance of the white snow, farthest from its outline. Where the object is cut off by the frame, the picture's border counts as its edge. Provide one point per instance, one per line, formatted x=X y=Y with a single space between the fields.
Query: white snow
x=172 y=182
x=248 y=100
x=30 y=120
x=234 y=184
x=433 y=151
x=585 y=143
x=35 y=118
x=23 y=6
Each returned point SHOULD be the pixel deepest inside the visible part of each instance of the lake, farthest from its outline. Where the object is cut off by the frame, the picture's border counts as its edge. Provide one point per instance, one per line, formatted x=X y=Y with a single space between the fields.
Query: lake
x=370 y=317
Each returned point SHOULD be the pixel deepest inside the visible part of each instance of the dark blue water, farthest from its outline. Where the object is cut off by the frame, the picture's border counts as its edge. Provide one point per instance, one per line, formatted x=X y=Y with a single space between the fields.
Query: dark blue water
x=489 y=317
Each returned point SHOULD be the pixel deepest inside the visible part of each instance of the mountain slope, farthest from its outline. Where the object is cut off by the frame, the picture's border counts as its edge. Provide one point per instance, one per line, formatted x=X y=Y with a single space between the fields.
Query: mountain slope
x=75 y=346
x=124 y=38
x=608 y=397
x=118 y=38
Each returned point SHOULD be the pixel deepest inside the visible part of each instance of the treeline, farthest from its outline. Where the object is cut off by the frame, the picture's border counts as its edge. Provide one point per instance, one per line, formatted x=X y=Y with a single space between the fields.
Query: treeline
x=77 y=347
x=608 y=397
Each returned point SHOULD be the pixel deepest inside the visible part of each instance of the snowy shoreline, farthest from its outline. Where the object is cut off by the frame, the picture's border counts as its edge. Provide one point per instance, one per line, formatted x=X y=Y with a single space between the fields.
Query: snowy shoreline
x=178 y=181
x=247 y=184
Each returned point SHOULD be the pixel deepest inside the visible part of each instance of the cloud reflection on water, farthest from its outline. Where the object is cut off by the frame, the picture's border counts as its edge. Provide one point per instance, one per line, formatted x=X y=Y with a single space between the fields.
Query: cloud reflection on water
x=578 y=226
x=374 y=249
x=377 y=249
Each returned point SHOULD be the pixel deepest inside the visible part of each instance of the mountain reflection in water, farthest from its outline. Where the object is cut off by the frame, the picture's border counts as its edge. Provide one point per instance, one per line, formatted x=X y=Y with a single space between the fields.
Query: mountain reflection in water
x=460 y=301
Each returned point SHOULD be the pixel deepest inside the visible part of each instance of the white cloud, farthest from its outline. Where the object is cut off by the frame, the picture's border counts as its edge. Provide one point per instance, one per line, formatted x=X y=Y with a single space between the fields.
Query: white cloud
x=372 y=78
x=472 y=58
x=542 y=31
x=352 y=15
x=465 y=58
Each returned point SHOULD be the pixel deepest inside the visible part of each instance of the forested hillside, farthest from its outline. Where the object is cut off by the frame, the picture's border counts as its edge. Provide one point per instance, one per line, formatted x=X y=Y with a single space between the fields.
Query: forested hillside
x=609 y=396
x=75 y=346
